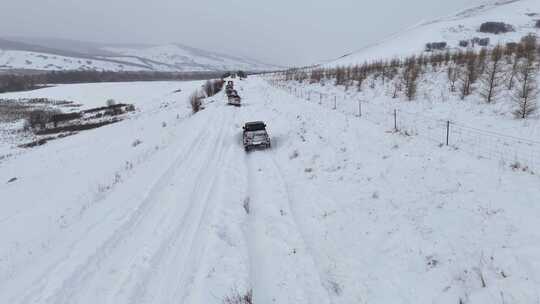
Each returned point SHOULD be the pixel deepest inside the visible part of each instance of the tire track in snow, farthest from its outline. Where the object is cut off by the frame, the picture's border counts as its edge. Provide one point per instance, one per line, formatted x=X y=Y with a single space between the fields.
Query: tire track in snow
x=74 y=284
x=323 y=279
x=282 y=269
x=330 y=268
x=79 y=281
x=330 y=285
x=191 y=238
x=213 y=200
x=326 y=282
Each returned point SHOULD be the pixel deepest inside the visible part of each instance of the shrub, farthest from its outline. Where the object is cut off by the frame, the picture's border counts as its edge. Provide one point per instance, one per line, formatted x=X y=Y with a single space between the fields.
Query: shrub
x=246 y=205
x=538 y=23
x=217 y=85
x=436 y=46
x=496 y=27
x=208 y=88
x=483 y=42
x=111 y=102
x=212 y=87
x=237 y=298
x=195 y=100
x=40 y=117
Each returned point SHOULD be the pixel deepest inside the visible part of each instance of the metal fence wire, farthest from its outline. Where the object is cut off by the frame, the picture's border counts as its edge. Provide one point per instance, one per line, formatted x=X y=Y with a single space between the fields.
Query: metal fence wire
x=517 y=152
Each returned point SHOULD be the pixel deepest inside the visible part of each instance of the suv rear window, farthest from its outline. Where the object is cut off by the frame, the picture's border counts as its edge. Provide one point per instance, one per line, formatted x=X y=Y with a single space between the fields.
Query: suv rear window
x=254 y=126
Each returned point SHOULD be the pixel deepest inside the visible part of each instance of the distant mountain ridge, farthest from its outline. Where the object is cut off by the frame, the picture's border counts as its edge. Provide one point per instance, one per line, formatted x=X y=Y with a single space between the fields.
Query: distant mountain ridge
x=53 y=54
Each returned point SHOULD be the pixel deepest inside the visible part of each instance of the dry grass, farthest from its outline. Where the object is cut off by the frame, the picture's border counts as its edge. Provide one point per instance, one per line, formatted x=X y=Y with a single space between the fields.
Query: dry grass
x=237 y=298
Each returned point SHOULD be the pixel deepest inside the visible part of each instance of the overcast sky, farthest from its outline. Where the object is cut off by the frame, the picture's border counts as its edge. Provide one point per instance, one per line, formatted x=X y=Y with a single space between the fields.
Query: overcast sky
x=286 y=32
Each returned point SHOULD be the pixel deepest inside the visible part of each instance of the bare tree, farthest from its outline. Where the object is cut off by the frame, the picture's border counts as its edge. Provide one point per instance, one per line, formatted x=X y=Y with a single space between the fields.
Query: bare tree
x=513 y=72
x=468 y=75
x=526 y=90
x=453 y=76
x=410 y=75
x=361 y=77
x=316 y=76
x=373 y=81
x=481 y=61
x=492 y=78
x=398 y=85
x=340 y=76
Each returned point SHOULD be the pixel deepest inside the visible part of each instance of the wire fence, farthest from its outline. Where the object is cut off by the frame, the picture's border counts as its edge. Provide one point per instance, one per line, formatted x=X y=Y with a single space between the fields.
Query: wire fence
x=517 y=152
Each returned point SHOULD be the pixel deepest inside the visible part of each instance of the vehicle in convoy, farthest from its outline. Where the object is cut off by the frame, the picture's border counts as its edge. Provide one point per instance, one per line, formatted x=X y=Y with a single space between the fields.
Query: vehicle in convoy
x=229 y=88
x=255 y=136
x=234 y=99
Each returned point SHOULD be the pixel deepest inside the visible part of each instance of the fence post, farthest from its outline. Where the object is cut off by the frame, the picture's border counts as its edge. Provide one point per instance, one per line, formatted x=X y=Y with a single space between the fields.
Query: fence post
x=320 y=99
x=395 y=120
x=359 y=108
x=309 y=96
x=447 y=132
x=335 y=102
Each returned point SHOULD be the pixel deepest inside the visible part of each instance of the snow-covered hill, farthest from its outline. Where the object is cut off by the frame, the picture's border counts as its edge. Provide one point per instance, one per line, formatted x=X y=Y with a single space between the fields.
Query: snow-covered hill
x=179 y=57
x=521 y=14
x=25 y=60
x=57 y=54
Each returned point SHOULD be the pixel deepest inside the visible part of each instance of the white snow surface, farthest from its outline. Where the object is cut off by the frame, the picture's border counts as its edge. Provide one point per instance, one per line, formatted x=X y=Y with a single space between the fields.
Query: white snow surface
x=340 y=210
x=91 y=95
x=465 y=25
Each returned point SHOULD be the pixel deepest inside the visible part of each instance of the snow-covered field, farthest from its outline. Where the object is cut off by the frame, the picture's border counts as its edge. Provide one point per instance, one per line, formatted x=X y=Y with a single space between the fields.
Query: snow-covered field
x=144 y=95
x=89 y=95
x=340 y=210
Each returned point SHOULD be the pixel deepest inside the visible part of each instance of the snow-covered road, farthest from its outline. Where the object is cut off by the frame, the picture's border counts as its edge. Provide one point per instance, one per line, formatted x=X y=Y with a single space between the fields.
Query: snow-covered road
x=338 y=211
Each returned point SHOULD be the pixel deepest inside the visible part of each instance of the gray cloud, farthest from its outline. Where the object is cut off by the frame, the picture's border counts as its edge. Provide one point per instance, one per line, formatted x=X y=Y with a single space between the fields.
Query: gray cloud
x=287 y=32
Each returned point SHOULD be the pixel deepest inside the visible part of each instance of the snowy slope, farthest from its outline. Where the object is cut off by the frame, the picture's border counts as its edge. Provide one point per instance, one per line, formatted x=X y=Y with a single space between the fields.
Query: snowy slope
x=53 y=54
x=186 y=58
x=522 y=14
x=340 y=211
x=25 y=60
